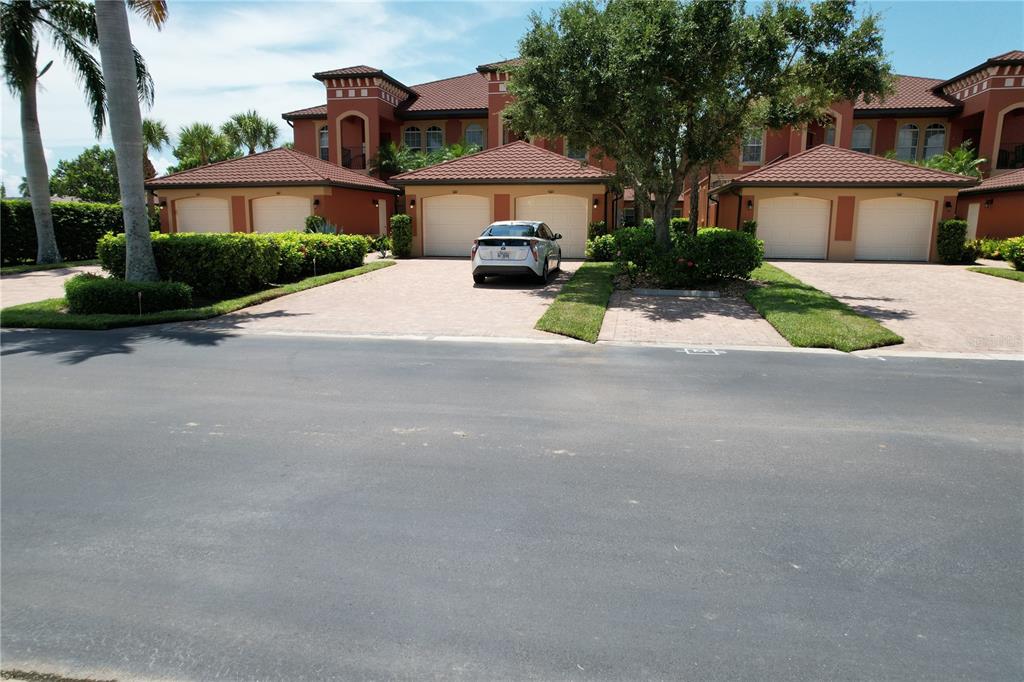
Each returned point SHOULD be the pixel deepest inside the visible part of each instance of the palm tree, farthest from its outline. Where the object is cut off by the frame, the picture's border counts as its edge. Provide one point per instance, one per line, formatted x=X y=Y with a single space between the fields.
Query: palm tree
x=250 y=130
x=963 y=160
x=124 y=89
x=200 y=144
x=71 y=26
x=154 y=136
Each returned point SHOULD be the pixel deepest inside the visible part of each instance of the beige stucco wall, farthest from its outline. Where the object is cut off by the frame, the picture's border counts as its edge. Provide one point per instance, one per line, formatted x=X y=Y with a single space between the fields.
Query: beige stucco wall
x=249 y=193
x=421 y=192
x=843 y=250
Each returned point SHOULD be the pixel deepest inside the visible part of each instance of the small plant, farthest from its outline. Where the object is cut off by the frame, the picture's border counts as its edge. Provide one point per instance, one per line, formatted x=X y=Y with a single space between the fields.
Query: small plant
x=601 y=248
x=1013 y=252
x=381 y=244
x=750 y=227
x=89 y=294
x=597 y=228
x=951 y=241
x=401 y=235
x=317 y=224
x=989 y=248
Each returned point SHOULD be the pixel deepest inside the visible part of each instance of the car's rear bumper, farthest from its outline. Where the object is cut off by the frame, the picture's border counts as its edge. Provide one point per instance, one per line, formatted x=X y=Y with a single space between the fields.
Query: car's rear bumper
x=503 y=270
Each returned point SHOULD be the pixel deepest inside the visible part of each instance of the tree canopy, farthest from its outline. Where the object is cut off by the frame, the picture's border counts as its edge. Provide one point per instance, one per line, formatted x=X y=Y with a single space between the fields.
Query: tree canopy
x=250 y=131
x=200 y=144
x=91 y=176
x=667 y=88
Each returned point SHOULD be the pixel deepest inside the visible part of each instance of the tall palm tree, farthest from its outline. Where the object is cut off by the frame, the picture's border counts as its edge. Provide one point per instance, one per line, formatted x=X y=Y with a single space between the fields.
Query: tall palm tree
x=154 y=137
x=250 y=130
x=120 y=61
x=71 y=26
x=200 y=144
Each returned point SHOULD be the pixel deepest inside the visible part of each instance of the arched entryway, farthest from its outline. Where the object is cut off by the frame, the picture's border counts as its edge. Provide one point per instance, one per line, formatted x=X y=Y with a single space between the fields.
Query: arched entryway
x=353 y=128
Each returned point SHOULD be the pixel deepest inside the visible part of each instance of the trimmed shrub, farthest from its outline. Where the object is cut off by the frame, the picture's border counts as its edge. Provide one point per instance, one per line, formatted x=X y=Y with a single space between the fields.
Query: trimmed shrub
x=989 y=248
x=713 y=254
x=680 y=226
x=307 y=254
x=750 y=227
x=214 y=265
x=601 y=248
x=635 y=245
x=401 y=235
x=89 y=294
x=1013 y=251
x=77 y=226
x=597 y=228
x=951 y=241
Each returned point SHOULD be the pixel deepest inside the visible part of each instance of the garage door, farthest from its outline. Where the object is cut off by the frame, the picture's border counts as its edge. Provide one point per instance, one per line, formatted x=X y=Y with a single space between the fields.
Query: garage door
x=202 y=214
x=895 y=228
x=564 y=214
x=451 y=223
x=280 y=214
x=794 y=227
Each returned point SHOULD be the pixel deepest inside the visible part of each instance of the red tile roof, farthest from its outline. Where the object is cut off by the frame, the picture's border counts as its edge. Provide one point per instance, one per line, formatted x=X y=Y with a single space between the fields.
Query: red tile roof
x=518 y=162
x=361 y=70
x=319 y=111
x=497 y=66
x=1006 y=182
x=459 y=92
x=1012 y=55
x=275 y=167
x=825 y=166
x=910 y=92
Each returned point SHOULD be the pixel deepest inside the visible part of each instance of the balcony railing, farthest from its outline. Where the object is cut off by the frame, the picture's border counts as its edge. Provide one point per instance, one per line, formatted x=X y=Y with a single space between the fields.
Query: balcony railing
x=1010 y=155
x=353 y=157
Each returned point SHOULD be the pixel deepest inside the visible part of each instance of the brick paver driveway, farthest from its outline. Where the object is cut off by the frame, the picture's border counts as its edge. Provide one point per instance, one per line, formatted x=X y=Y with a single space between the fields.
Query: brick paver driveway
x=419 y=297
x=933 y=307
x=39 y=285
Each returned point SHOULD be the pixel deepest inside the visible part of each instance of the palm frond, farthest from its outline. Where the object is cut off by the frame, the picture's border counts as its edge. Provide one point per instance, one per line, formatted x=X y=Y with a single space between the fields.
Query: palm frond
x=18 y=44
x=153 y=11
x=86 y=69
x=147 y=91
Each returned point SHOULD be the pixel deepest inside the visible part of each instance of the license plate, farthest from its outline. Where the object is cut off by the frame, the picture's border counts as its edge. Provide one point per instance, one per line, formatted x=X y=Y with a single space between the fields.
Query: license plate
x=504 y=255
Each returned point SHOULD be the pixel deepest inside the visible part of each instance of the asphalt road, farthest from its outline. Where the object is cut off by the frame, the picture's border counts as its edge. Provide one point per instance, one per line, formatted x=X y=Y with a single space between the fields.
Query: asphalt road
x=209 y=507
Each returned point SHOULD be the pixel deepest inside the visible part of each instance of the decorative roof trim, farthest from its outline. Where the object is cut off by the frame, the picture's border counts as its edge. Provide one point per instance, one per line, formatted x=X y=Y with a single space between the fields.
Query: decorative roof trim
x=1000 y=60
x=505 y=181
x=292 y=183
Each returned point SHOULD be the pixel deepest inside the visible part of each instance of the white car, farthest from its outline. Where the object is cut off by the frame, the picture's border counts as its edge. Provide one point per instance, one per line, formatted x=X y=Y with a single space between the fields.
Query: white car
x=516 y=247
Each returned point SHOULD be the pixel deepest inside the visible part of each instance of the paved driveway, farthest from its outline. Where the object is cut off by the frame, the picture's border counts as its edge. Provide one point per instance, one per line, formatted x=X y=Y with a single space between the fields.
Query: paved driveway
x=421 y=297
x=934 y=307
x=39 y=285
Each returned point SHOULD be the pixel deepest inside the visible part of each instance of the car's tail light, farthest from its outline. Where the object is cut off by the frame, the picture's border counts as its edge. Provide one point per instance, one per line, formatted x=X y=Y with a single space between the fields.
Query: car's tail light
x=476 y=245
x=533 y=250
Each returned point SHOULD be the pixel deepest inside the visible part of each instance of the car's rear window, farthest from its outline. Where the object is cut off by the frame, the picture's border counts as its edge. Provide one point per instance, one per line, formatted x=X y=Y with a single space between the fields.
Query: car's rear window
x=511 y=231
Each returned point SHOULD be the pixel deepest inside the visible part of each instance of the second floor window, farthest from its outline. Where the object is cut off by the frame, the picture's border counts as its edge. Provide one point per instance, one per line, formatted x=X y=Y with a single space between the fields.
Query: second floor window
x=575 y=151
x=411 y=138
x=934 y=140
x=435 y=139
x=906 y=142
x=324 y=144
x=752 y=147
x=475 y=134
x=861 y=140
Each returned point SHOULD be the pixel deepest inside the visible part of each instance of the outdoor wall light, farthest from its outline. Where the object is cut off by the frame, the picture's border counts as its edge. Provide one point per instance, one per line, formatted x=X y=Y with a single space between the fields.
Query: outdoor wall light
x=949 y=204
x=316 y=202
x=412 y=202
x=376 y=203
x=750 y=204
x=988 y=203
x=595 y=202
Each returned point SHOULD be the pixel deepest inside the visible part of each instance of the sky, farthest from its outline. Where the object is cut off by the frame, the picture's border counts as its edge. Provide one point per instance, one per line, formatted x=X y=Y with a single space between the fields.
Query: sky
x=213 y=59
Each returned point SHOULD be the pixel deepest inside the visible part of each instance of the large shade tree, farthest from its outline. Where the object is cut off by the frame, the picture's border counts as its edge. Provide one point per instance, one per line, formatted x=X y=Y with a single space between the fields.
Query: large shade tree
x=667 y=88
x=250 y=131
x=90 y=176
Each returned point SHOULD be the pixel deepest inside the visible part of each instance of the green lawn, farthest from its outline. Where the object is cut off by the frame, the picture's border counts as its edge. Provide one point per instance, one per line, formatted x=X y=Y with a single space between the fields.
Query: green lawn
x=1005 y=273
x=578 y=310
x=32 y=267
x=50 y=313
x=810 y=318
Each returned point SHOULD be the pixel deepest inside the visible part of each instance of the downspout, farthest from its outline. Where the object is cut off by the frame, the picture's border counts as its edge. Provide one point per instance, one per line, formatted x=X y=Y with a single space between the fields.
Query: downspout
x=739 y=207
x=714 y=199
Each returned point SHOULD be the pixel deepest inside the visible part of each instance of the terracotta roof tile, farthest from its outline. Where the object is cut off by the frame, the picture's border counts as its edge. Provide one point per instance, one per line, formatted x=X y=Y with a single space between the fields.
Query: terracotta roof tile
x=459 y=92
x=826 y=165
x=361 y=70
x=319 y=111
x=1012 y=55
x=1014 y=180
x=509 y=164
x=911 y=92
x=275 y=167
x=497 y=66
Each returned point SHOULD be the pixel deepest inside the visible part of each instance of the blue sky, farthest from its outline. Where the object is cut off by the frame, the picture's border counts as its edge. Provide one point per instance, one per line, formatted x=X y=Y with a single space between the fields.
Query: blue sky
x=216 y=58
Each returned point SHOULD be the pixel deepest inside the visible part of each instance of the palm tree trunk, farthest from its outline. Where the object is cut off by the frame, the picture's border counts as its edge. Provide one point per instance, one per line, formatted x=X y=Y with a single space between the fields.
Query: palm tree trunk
x=37 y=176
x=118 y=61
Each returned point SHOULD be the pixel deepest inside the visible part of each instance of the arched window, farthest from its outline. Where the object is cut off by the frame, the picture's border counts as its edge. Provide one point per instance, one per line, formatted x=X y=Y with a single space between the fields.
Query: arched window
x=411 y=138
x=475 y=134
x=752 y=146
x=435 y=139
x=324 y=143
x=861 y=140
x=934 y=140
x=575 y=151
x=906 y=142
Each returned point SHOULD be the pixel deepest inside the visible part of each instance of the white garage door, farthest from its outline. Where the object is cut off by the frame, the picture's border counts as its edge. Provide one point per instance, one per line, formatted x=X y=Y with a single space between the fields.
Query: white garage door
x=895 y=228
x=281 y=214
x=451 y=223
x=564 y=214
x=202 y=214
x=794 y=227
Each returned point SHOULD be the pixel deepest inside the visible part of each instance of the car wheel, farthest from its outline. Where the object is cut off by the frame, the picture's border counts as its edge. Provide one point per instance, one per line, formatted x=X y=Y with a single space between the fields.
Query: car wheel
x=543 y=277
x=479 y=279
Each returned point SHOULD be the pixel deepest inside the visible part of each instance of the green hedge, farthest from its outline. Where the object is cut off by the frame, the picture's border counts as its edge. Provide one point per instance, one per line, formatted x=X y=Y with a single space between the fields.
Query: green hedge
x=713 y=254
x=307 y=254
x=89 y=294
x=77 y=226
x=1013 y=252
x=951 y=242
x=401 y=235
x=214 y=265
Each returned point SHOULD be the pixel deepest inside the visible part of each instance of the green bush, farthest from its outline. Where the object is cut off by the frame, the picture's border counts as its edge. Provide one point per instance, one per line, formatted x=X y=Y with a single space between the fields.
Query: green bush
x=951 y=241
x=317 y=224
x=401 y=235
x=601 y=248
x=89 y=294
x=597 y=228
x=1013 y=251
x=77 y=226
x=679 y=226
x=380 y=243
x=713 y=254
x=635 y=245
x=989 y=248
x=750 y=227
x=214 y=265
x=307 y=254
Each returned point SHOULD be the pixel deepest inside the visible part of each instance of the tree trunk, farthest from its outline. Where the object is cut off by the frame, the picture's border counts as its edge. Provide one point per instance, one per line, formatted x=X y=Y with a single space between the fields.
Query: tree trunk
x=641 y=205
x=37 y=176
x=662 y=217
x=694 y=202
x=118 y=61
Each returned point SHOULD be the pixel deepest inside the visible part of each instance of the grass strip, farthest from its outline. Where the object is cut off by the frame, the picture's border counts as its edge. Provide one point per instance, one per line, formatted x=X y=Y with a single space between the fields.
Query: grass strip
x=1005 y=273
x=810 y=318
x=50 y=314
x=579 y=308
x=33 y=267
